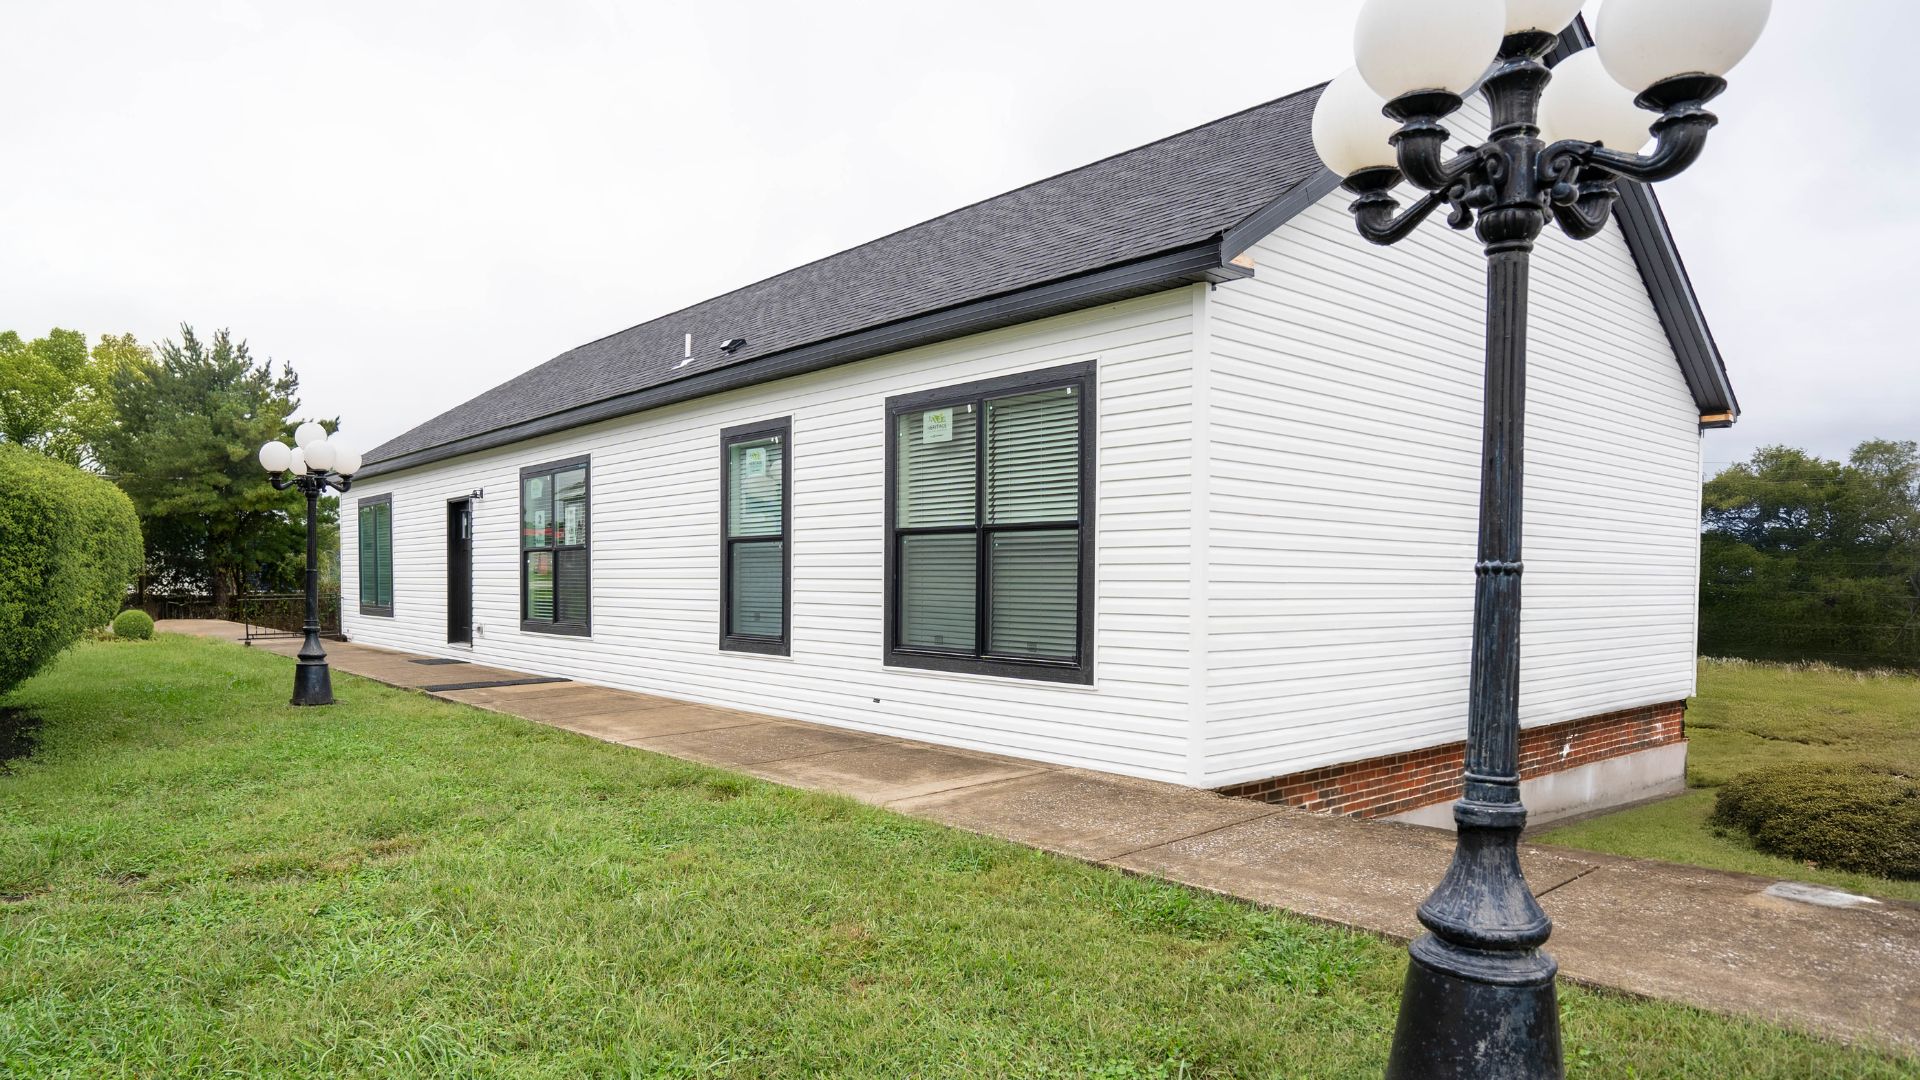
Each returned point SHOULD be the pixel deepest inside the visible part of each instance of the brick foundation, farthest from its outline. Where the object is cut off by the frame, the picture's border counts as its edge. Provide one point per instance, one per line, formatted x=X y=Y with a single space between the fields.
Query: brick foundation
x=1382 y=786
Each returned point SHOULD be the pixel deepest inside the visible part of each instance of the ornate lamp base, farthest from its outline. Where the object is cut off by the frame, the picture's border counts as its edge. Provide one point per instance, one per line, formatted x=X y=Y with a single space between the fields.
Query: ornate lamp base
x=1454 y=1028
x=312 y=680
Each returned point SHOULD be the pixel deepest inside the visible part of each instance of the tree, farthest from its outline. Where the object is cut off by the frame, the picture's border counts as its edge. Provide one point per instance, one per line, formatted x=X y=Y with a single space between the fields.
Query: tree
x=182 y=445
x=56 y=397
x=1805 y=558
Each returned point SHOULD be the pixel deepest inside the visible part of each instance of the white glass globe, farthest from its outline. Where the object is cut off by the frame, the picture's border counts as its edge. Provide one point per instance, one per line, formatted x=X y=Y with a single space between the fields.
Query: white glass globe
x=1645 y=41
x=275 y=456
x=347 y=463
x=297 y=462
x=309 y=433
x=1549 y=15
x=1583 y=102
x=1405 y=45
x=321 y=455
x=1349 y=131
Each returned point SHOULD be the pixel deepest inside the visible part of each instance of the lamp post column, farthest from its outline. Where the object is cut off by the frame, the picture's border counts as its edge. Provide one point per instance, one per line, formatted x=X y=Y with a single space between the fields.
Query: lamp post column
x=1479 y=998
x=312 y=680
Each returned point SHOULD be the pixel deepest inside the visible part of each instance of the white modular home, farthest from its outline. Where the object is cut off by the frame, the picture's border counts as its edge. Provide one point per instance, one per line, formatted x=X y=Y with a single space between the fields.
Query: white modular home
x=1153 y=467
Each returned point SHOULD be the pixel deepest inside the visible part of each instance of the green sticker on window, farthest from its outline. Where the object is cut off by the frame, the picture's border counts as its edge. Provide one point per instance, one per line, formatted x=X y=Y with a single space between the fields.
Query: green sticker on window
x=936 y=425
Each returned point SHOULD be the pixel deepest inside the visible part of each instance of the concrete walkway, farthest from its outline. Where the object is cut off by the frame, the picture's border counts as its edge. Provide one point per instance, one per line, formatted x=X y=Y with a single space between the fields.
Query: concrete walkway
x=1716 y=940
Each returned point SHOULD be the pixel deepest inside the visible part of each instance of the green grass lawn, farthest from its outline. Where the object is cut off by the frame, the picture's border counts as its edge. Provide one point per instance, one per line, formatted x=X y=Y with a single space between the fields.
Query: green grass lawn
x=199 y=880
x=1748 y=715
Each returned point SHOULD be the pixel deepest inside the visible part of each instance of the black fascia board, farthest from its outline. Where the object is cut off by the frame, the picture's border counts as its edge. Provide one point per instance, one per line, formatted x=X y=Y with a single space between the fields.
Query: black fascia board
x=1657 y=257
x=1203 y=262
x=1649 y=240
x=1297 y=200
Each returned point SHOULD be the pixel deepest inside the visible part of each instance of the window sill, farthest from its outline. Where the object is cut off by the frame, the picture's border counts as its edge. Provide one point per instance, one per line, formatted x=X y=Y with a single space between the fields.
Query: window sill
x=1072 y=674
x=762 y=646
x=555 y=629
x=382 y=612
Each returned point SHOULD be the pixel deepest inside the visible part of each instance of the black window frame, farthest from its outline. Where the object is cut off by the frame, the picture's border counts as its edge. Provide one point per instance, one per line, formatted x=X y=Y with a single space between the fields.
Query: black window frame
x=754 y=643
x=583 y=628
x=1080 y=376
x=364 y=504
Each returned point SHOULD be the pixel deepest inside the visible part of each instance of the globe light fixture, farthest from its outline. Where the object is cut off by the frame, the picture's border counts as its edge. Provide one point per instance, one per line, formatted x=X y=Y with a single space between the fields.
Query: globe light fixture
x=1349 y=130
x=1584 y=102
x=1409 y=46
x=1646 y=42
x=276 y=457
x=309 y=433
x=320 y=455
x=1549 y=15
x=314 y=465
x=1479 y=999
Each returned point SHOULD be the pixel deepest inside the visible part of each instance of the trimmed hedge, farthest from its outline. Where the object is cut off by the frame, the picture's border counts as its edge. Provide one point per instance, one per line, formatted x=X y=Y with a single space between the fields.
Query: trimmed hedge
x=69 y=546
x=1863 y=817
x=134 y=625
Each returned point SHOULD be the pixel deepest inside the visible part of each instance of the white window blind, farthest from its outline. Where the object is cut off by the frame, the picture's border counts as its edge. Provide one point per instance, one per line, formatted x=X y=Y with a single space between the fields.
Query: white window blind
x=937 y=595
x=1035 y=594
x=936 y=467
x=1033 y=458
x=976 y=484
x=758 y=604
x=753 y=488
x=756 y=549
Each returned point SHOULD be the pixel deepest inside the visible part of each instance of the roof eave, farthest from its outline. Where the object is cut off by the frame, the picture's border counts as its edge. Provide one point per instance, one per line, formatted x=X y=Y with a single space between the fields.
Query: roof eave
x=1208 y=261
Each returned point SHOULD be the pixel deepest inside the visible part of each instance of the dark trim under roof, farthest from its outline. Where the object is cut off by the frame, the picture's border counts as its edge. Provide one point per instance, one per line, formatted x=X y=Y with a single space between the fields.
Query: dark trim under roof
x=1169 y=214
x=1665 y=275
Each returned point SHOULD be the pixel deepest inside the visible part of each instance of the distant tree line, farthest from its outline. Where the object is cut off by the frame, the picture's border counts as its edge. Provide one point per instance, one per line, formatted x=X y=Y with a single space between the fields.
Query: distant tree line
x=1804 y=558
x=176 y=428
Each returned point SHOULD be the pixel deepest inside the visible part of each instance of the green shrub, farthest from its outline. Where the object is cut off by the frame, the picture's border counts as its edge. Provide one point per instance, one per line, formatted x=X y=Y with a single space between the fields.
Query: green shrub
x=134 y=625
x=69 y=545
x=1864 y=818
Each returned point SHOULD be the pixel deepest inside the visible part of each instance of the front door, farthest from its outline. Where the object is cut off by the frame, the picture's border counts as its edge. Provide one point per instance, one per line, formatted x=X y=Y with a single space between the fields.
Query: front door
x=460 y=571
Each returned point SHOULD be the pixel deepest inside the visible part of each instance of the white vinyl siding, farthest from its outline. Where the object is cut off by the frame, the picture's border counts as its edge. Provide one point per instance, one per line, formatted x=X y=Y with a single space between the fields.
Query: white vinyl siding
x=1344 y=410
x=1322 y=614
x=655 y=552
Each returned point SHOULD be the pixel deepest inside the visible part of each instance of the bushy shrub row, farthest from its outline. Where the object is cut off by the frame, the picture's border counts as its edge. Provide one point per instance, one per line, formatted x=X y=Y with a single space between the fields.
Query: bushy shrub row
x=1863 y=817
x=69 y=546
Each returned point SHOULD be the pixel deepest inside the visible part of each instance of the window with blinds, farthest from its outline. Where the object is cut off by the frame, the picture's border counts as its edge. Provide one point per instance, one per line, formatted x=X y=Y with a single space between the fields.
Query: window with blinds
x=376 y=555
x=988 y=552
x=555 y=582
x=755 y=484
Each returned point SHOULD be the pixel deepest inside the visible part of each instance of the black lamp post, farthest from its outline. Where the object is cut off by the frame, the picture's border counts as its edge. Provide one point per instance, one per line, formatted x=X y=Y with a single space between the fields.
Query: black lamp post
x=313 y=466
x=1479 y=997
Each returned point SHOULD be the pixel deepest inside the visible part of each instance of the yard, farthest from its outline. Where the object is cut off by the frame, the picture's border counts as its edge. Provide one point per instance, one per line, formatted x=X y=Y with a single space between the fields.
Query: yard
x=200 y=880
x=1747 y=715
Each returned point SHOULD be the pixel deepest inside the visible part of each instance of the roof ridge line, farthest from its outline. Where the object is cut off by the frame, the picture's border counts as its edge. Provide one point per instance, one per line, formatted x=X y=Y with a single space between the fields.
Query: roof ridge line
x=937 y=217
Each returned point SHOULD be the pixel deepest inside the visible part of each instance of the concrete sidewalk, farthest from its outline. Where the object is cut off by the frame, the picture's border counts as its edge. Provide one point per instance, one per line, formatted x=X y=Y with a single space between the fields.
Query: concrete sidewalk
x=1716 y=940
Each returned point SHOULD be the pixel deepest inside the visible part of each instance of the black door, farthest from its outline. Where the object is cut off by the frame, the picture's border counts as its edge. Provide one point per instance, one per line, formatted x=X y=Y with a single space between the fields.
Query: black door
x=460 y=571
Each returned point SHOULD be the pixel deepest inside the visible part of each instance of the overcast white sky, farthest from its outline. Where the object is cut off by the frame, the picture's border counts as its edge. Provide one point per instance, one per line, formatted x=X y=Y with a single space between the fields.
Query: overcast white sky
x=413 y=201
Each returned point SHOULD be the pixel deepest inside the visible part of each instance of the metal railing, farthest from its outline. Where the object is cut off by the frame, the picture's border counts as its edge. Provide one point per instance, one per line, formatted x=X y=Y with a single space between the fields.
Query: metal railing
x=283 y=615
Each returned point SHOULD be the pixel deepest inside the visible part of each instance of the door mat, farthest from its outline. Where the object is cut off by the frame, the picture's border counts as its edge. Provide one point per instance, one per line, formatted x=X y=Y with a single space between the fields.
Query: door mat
x=437 y=661
x=488 y=684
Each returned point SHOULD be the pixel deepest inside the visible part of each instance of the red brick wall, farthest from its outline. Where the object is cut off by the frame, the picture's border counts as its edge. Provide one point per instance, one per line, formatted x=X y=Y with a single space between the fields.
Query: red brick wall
x=1381 y=786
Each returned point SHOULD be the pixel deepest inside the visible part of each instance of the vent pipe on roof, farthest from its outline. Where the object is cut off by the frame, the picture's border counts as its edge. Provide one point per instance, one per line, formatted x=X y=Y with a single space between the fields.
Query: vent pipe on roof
x=686 y=357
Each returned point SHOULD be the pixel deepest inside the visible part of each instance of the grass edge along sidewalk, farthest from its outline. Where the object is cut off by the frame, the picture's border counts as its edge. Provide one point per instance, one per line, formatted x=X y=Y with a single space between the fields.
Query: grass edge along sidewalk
x=1749 y=714
x=201 y=879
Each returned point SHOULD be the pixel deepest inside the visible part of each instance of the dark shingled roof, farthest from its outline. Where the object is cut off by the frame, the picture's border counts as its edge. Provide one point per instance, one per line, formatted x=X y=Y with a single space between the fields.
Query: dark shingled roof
x=1161 y=197
x=1173 y=211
